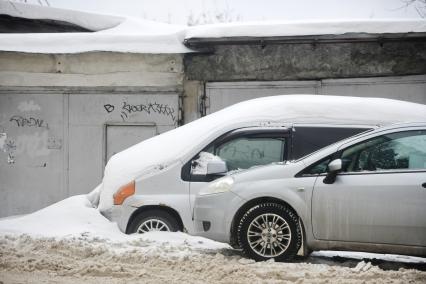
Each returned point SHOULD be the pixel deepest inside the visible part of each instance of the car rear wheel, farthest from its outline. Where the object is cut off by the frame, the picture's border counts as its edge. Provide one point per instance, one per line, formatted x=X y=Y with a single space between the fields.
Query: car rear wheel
x=153 y=220
x=269 y=230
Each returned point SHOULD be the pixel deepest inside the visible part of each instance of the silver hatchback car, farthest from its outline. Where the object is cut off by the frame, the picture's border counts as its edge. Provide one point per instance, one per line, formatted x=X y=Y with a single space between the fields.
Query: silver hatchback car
x=365 y=193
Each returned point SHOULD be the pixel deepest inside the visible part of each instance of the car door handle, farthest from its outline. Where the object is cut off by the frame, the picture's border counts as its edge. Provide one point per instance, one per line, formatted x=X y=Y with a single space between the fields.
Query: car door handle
x=424 y=184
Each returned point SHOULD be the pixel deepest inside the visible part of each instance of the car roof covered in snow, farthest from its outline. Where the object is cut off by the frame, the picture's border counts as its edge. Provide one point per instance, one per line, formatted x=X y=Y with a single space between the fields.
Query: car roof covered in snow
x=175 y=146
x=135 y=35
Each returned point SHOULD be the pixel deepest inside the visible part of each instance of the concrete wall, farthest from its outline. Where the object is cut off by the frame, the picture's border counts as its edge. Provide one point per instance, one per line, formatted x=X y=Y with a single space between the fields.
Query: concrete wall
x=63 y=116
x=278 y=62
x=358 y=67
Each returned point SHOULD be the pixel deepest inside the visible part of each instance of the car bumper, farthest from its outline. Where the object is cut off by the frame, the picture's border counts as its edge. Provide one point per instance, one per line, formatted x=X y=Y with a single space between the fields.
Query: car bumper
x=213 y=215
x=119 y=214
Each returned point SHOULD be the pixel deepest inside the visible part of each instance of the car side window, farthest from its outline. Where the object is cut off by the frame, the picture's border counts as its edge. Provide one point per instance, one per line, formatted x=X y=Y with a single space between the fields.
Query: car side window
x=309 y=139
x=317 y=168
x=241 y=153
x=395 y=151
x=245 y=152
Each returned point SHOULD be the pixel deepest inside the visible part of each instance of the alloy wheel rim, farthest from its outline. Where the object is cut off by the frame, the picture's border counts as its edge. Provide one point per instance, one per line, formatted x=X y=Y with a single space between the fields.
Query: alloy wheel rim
x=153 y=225
x=269 y=235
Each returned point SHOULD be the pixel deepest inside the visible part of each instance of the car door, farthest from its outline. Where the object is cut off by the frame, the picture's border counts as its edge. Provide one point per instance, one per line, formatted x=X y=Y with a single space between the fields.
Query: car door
x=239 y=150
x=380 y=196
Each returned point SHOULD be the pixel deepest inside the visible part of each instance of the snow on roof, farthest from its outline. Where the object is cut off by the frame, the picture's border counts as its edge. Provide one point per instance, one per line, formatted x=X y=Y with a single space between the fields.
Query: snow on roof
x=124 y=34
x=173 y=147
x=94 y=22
x=112 y=33
x=306 y=28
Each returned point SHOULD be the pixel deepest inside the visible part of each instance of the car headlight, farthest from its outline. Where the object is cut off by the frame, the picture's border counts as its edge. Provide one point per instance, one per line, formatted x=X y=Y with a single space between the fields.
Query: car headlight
x=219 y=186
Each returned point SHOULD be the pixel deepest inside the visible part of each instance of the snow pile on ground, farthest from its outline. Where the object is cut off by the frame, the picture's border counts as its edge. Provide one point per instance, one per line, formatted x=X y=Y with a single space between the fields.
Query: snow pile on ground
x=363 y=255
x=69 y=217
x=144 y=158
x=23 y=259
x=71 y=242
x=75 y=217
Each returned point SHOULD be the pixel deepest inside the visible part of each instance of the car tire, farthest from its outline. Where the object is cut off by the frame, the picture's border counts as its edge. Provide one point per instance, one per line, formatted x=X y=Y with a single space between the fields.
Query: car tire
x=153 y=220
x=270 y=230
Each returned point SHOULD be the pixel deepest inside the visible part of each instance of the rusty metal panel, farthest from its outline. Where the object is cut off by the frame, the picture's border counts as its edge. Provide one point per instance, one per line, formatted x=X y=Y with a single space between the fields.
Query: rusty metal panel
x=88 y=116
x=32 y=156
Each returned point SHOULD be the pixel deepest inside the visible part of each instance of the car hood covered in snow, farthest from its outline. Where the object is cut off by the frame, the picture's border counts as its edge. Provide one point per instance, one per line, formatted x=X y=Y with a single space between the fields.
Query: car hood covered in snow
x=157 y=153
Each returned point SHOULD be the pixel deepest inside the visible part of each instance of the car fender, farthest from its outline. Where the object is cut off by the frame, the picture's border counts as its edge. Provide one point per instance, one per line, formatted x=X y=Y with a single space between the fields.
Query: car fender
x=286 y=191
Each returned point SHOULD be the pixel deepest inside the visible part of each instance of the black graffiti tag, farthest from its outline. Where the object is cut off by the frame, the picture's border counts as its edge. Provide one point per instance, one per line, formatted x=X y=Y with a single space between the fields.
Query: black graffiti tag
x=149 y=108
x=28 y=121
x=109 y=108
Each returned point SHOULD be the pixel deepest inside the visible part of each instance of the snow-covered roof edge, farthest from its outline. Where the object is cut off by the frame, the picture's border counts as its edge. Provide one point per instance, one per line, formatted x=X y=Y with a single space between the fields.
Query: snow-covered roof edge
x=307 y=28
x=112 y=33
x=125 y=34
x=90 y=21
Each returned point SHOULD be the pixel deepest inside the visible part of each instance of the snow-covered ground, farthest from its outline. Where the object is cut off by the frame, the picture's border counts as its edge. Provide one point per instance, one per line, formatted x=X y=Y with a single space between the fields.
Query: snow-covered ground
x=71 y=242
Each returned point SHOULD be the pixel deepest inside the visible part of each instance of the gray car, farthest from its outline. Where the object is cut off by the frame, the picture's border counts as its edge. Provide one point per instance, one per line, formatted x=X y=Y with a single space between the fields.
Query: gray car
x=365 y=193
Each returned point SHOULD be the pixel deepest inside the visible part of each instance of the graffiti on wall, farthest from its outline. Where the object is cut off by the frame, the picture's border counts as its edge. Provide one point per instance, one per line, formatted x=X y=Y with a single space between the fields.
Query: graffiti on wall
x=126 y=109
x=33 y=145
x=29 y=121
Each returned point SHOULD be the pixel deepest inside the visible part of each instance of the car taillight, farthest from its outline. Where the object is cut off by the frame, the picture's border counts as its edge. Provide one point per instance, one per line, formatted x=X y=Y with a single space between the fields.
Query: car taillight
x=124 y=192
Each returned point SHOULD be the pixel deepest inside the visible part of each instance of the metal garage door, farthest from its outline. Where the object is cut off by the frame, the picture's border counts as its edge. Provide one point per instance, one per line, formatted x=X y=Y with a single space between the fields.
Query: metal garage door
x=97 y=130
x=409 y=88
x=223 y=94
x=32 y=160
x=55 y=145
x=122 y=136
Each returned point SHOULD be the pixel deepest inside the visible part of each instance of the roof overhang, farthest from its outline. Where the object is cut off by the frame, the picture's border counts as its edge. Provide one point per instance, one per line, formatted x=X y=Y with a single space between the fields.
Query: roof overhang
x=196 y=43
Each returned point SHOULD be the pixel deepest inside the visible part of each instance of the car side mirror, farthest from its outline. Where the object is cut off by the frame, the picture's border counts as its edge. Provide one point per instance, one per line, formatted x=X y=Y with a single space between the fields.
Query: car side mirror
x=216 y=167
x=334 y=167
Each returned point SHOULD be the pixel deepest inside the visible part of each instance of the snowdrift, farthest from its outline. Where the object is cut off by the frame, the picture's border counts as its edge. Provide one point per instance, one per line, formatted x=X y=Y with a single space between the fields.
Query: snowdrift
x=76 y=218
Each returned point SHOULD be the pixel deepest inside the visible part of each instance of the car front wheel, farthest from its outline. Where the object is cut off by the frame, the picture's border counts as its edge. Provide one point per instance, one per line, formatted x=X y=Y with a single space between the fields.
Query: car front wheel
x=270 y=230
x=153 y=220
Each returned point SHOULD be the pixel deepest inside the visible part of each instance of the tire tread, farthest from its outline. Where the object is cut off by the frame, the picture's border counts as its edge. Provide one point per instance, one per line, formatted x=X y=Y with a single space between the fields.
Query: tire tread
x=291 y=252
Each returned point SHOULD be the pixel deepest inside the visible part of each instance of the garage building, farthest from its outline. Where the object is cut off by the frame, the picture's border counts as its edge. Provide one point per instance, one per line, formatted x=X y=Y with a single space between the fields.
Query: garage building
x=75 y=89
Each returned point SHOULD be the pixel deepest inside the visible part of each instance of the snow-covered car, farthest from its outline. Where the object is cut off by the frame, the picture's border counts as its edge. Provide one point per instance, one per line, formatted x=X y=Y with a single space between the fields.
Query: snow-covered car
x=152 y=185
x=365 y=193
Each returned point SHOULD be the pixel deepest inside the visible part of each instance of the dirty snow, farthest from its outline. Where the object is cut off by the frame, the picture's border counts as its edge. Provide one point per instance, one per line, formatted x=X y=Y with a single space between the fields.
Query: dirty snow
x=71 y=242
x=75 y=217
x=144 y=158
